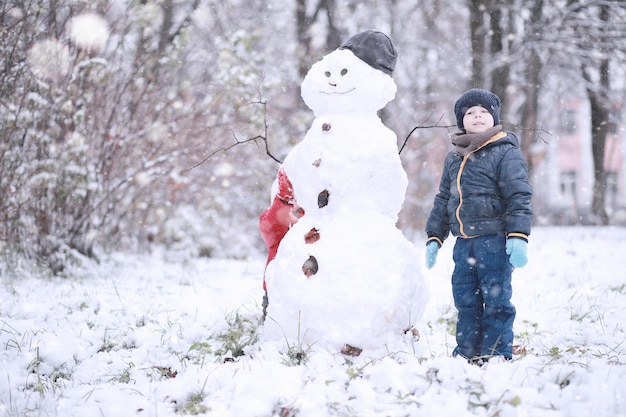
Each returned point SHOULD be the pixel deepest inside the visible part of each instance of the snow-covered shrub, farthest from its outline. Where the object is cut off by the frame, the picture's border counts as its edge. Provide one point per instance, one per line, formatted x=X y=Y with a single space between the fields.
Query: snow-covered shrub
x=97 y=149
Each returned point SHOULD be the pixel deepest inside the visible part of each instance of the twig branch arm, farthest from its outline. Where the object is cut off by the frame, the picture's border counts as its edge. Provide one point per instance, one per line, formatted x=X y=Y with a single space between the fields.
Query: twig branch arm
x=420 y=126
x=238 y=142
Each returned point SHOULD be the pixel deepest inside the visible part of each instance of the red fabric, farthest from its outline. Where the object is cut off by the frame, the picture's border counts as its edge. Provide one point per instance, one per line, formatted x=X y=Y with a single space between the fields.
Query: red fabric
x=278 y=218
x=285 y=189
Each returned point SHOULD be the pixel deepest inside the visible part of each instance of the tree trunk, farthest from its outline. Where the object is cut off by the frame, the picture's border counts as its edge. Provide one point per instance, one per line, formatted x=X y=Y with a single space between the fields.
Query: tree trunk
x=529 y=109
x=531 y=90
x=478 y=38
x=303 y=23
x=500 y=74
x=599 y=102
x=599 y=130
x=333 y=37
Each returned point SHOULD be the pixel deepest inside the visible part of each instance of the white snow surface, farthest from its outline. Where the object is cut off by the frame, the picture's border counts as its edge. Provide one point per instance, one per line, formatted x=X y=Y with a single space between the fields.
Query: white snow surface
x=145 y=336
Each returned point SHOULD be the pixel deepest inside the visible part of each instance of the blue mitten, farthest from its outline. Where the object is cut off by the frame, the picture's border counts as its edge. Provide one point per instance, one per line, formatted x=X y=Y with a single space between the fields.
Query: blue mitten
x=517 y=249
x=431 y=254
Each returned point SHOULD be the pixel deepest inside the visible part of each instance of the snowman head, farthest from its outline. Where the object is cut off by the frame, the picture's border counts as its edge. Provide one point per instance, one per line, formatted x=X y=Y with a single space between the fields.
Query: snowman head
x=356 y=77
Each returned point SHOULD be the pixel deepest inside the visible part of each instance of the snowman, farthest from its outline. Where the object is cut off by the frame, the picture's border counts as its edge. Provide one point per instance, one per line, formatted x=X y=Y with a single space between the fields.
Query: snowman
x=343 y=276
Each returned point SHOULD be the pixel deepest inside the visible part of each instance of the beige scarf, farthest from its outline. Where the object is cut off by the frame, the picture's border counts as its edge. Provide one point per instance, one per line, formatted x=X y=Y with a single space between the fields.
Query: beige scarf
x=466 y=143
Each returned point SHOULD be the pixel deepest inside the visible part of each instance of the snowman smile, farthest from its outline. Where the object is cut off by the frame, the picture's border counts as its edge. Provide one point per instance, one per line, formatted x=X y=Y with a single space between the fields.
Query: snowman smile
x=330 y=93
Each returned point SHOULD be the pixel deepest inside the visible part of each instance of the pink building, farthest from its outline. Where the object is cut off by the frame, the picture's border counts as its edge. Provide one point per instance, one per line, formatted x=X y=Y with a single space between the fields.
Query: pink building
x=565 y=178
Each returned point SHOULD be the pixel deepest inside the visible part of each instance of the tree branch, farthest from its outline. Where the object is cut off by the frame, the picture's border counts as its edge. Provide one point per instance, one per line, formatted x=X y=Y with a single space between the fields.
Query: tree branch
x=238 y=142
x=538 y=129
x=437 y=125
x=534 y=129
x=420 y=126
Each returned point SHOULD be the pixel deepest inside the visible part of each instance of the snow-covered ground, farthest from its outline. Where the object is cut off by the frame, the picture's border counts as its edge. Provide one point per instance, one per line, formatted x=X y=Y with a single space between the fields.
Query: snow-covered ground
x=155 y=336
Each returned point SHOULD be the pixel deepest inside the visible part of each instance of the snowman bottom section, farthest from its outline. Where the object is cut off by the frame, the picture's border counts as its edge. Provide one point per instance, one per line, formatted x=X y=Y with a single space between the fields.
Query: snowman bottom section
x=352 y=279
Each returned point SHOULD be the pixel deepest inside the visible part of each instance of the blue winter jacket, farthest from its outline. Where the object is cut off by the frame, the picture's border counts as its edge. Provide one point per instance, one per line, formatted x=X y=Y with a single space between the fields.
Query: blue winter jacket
x=486 y=192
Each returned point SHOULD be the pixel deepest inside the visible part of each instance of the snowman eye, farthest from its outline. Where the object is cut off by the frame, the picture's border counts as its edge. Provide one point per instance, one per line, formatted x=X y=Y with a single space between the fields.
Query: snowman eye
x=327 y=74
x=344 y=72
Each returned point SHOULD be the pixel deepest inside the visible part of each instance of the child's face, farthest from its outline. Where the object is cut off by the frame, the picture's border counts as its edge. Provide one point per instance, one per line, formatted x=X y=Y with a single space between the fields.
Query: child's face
x=477 y=119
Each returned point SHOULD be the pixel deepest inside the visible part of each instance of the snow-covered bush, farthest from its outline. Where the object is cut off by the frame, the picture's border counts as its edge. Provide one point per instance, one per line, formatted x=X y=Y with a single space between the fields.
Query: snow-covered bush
x=101 y=125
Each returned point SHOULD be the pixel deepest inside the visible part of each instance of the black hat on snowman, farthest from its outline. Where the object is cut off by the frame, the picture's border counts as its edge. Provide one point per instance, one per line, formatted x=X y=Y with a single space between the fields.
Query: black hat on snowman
x=477 y=97
x=374 y=48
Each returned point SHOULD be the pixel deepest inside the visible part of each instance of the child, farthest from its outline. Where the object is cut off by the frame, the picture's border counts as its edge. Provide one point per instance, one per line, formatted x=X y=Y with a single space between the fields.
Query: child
x=484 y=199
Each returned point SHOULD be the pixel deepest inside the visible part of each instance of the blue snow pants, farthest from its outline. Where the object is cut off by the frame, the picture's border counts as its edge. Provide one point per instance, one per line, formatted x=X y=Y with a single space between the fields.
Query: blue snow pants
x=481 y=288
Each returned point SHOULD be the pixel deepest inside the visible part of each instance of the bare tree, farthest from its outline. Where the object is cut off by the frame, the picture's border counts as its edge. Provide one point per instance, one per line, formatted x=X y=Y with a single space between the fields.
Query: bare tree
x=600 y=119
x=532 y=69
x=500 y=74
x=490 y=23
x=479 y=39
x=321 y=9
x=600 y=31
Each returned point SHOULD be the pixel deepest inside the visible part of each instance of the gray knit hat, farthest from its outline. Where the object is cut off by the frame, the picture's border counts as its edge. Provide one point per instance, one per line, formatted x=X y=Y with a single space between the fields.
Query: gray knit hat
x=375 y=48
x=477 y=97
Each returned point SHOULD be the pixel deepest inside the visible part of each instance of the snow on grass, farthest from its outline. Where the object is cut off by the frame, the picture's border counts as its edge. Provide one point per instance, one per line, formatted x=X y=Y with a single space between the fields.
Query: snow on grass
x=146 y=336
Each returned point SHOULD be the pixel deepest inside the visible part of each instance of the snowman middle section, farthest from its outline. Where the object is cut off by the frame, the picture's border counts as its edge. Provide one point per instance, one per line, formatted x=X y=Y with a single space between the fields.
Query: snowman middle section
x=354 y=159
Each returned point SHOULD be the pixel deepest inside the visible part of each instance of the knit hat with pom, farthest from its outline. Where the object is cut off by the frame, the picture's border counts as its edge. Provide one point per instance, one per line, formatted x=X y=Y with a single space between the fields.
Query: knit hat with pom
x=374 y=48
x=477 y=97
